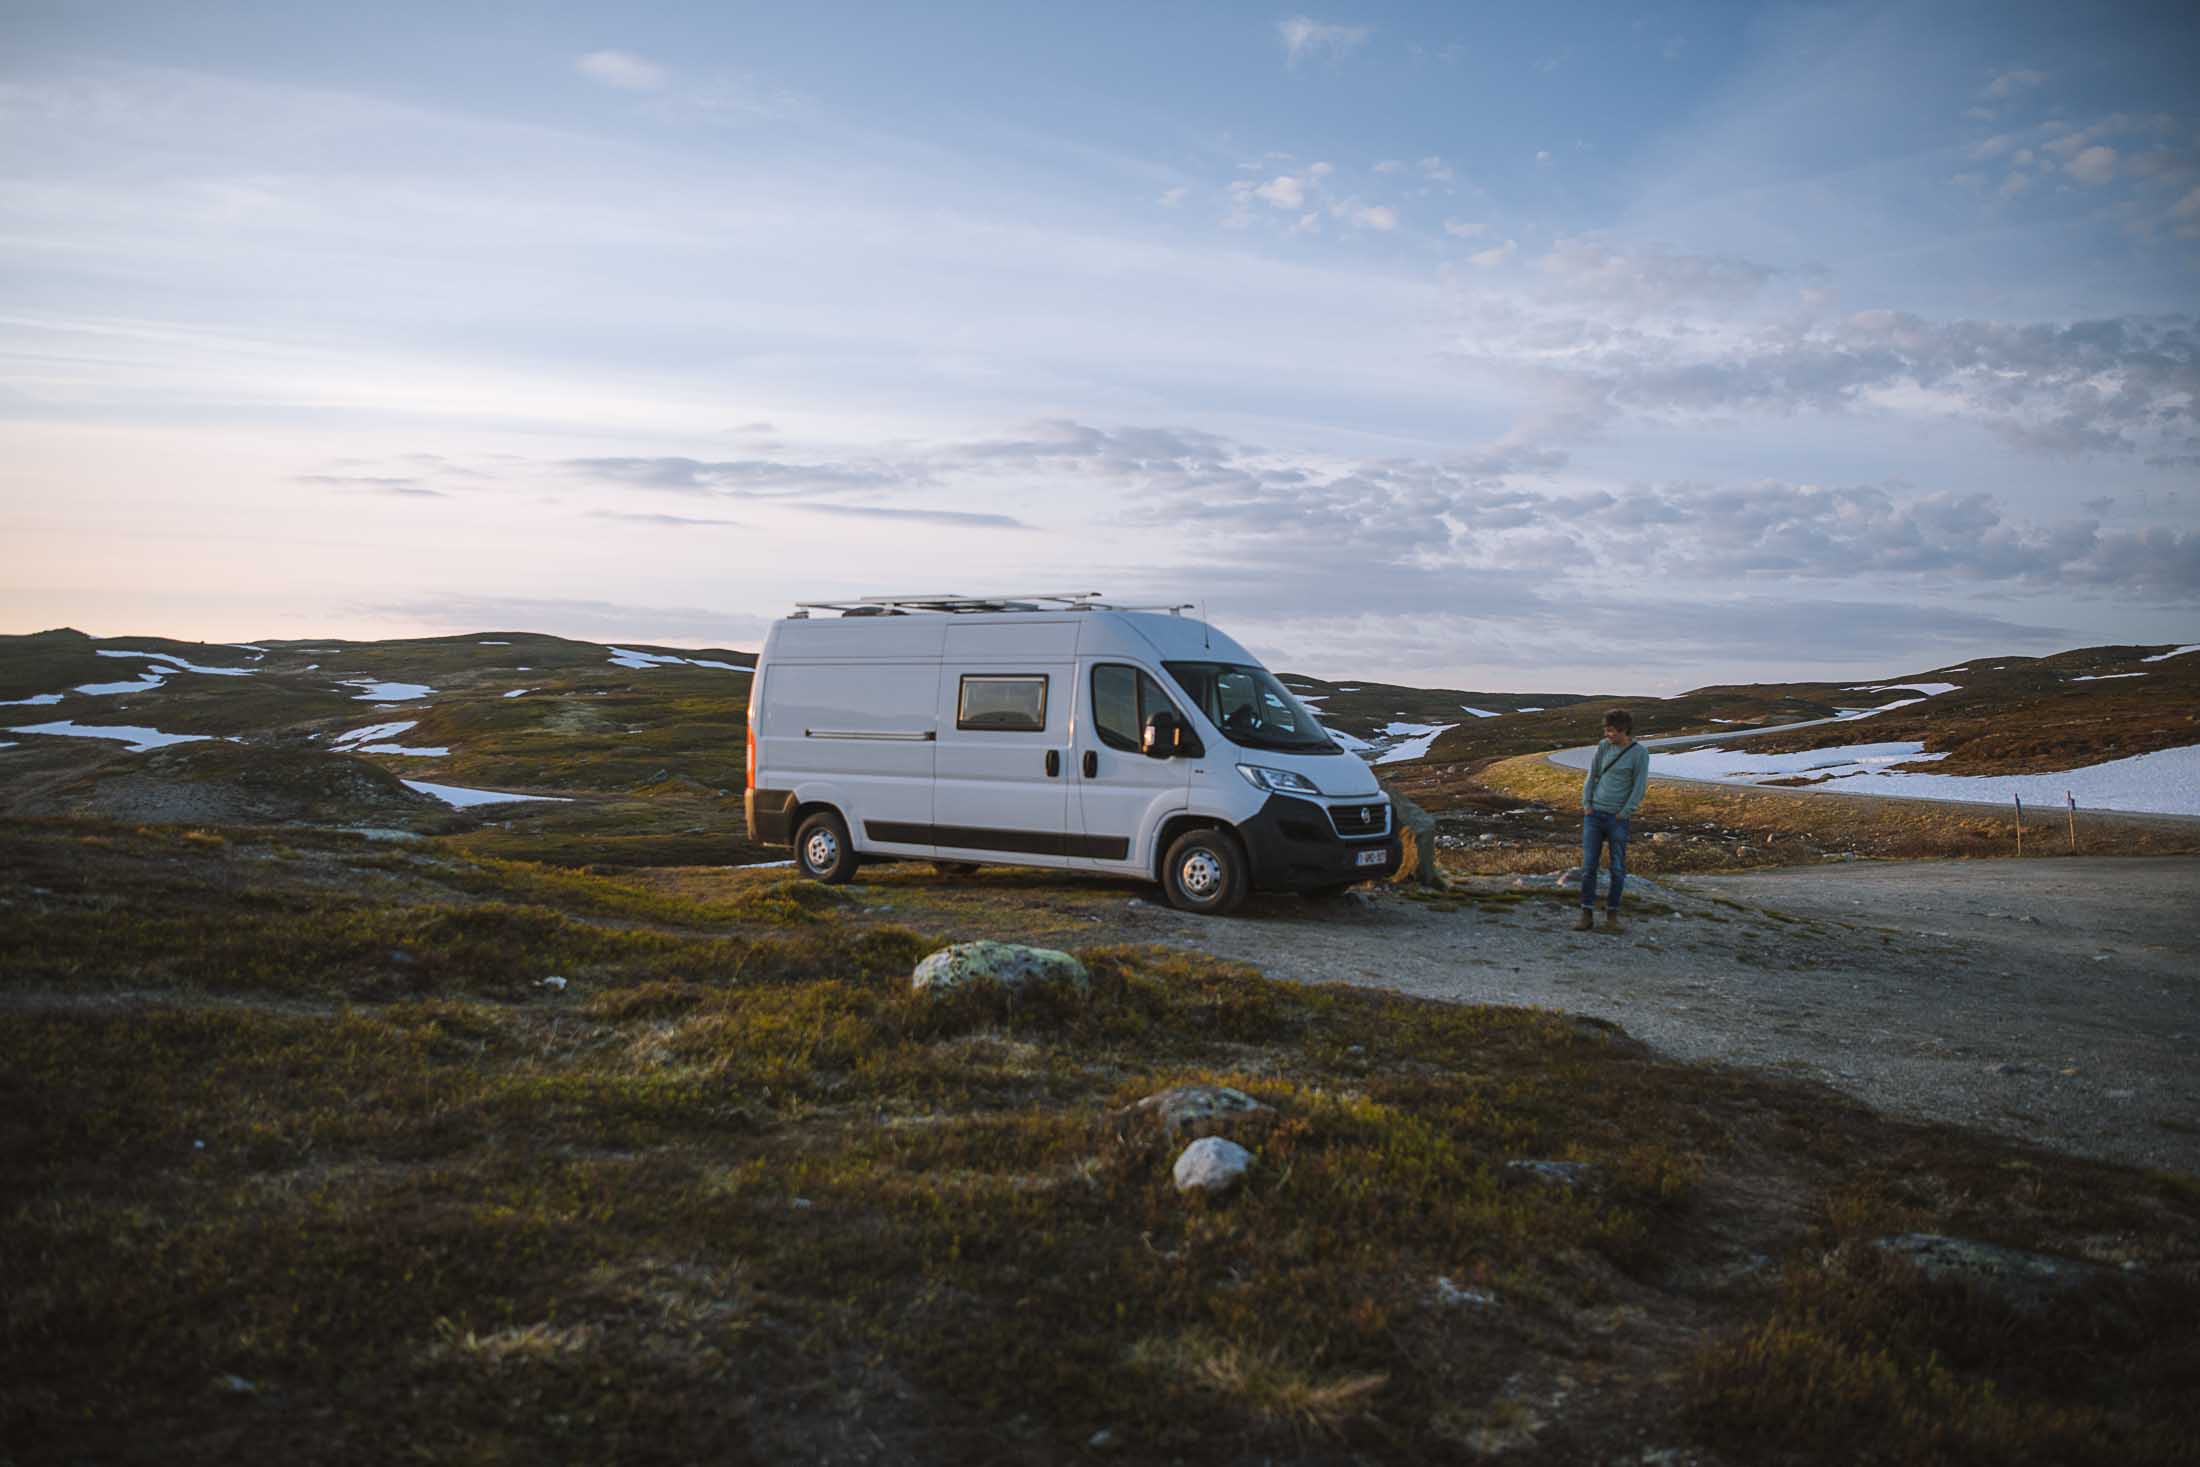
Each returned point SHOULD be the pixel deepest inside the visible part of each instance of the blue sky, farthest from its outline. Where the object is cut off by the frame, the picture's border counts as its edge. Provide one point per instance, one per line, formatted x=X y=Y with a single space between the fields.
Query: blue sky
x=1631 y=348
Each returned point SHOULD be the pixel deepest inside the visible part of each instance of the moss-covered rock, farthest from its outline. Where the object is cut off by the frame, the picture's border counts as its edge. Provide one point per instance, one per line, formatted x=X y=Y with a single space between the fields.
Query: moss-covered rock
x=1006 y=965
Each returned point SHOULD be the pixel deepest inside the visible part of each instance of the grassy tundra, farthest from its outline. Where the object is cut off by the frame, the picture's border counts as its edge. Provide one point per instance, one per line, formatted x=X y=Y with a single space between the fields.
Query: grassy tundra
x=307 y=1160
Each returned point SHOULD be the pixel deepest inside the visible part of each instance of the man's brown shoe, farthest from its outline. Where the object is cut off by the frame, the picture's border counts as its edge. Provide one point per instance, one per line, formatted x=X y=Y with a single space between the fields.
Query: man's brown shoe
x=1585 y=921
x=1613 y=922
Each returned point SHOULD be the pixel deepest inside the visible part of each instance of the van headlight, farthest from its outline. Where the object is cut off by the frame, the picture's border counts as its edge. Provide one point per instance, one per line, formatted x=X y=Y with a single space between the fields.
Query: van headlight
x=1278 y=781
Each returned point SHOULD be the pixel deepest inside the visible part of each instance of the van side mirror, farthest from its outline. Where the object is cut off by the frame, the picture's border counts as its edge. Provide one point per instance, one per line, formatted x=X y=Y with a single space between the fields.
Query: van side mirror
x=1163 y=736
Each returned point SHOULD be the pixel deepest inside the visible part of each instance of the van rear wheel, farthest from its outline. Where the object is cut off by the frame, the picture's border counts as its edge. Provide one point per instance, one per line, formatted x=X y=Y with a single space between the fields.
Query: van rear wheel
x=1205 y=872
x=823 y=850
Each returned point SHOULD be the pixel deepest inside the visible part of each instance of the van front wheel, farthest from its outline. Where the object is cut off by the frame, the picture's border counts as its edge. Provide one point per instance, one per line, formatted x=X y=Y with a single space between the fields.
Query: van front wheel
x=1205 y=872
x=822 y=848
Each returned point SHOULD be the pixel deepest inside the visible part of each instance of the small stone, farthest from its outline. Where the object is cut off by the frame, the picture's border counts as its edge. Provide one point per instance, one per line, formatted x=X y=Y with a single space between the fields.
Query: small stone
x=801 y=1204
x=236 y=1385
x=1449 y=1293
x=2009 y=1067
x=1212 y=1165
x=2119 y=1094
x=554 y=983
x=1568 y=1174
x=198 y=1146
x=2070 y=1073
x=1104 y=1440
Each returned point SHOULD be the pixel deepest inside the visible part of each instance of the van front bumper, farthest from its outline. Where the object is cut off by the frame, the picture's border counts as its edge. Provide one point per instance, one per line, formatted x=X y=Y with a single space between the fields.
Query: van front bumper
x=1292 y=846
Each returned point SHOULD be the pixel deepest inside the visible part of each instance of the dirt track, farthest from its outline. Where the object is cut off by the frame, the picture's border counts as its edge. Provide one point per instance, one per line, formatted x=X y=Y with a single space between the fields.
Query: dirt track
x=2056 y=1000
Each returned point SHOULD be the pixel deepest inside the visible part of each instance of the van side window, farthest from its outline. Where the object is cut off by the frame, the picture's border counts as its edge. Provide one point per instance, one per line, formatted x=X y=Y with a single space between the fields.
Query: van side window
x=1002 y=704
x=1123 y=698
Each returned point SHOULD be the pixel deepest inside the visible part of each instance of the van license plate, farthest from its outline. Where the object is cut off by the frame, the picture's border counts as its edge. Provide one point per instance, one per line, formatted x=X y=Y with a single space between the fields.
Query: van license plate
x=1374 y=858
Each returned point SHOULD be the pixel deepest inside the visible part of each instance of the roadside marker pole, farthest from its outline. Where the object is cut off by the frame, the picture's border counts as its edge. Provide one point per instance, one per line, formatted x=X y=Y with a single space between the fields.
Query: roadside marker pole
x=2073 y=803
x=2020 y=822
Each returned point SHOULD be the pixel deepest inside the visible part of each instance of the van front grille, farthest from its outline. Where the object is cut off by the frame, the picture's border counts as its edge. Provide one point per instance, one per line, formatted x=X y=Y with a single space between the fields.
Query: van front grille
x=1361 y=822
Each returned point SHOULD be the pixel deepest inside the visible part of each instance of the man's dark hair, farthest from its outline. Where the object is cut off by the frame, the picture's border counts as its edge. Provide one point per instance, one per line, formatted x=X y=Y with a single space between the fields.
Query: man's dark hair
x=1620 y=719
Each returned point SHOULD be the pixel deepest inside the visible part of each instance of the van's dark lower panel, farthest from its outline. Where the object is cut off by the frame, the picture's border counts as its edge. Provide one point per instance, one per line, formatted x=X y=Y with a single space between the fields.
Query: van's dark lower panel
x=771 y=816
x=1293 y=847
x=1014 y=842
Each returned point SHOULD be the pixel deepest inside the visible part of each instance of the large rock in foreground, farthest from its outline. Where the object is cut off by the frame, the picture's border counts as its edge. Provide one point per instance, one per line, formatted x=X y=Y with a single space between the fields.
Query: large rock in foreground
x=1006 y=965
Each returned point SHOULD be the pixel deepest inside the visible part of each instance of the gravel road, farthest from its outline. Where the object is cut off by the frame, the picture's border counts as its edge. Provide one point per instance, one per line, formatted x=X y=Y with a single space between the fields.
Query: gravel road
x=2056 y=1000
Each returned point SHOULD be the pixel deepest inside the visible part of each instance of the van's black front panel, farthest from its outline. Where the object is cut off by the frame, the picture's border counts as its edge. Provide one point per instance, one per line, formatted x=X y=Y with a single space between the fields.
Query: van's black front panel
x=1293 y=847
x=1011 y=842
x=771 y=816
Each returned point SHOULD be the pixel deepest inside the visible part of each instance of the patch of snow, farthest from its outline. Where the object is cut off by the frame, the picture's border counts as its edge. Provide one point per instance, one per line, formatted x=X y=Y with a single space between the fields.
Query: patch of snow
x=1847 y=713
x=2165 y=782
x=1527 y=710
x=39 y=700
x=519 y=692
x=453 y=795
x=1956 y=669
x=1348 y=690
x=6 y=745
x=2173 y=652
x=1480 y=712
x=1356 y=744
x=1930 y=690
x=758 y=865
x=401 y=749
x=149 y=682
x=495 y=644
x=639 y=661
x=139 y=739
x=1312 y=700
x=1414 y=740
x=379 y=692
x=181 y=665
x=372 y=731
x=2104 y=677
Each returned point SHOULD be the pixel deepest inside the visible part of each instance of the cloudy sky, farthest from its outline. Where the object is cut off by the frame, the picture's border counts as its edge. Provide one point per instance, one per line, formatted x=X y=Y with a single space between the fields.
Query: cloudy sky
x=1546 y=346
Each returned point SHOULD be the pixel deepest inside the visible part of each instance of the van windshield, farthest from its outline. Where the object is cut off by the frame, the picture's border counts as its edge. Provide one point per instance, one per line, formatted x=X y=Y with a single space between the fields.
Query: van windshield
x=1251 y=707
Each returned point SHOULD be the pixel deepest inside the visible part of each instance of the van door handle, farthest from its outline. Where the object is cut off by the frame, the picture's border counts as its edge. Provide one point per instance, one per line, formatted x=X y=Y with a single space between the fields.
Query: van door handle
x=1092 y=764
x=1054 y=762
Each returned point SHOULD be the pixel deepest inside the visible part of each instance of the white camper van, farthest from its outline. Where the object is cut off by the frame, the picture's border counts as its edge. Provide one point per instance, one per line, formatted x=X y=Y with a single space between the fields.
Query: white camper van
x=1052 y=731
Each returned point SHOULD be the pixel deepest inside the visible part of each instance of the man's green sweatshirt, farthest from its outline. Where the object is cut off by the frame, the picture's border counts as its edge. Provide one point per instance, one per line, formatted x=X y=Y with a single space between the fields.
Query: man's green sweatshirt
x=1617 y=779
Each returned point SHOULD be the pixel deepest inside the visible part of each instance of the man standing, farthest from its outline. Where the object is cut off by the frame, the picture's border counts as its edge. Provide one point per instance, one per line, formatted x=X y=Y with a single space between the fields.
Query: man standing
x=1618 y=776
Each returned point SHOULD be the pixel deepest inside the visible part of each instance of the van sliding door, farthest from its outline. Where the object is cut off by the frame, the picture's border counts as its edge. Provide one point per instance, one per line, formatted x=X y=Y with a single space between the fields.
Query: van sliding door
x=1006 y=700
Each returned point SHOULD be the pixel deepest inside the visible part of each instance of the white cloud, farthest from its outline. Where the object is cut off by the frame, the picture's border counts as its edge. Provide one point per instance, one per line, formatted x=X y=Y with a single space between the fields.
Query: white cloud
x=623 y=70
x=2093 y=167
x=1465 y=229
x=1543 y=159
x=1436 y=170
x=1390 y=165
x=2009 y=83
x=2015 y=184
x=1376 y=216
x=1320 y=170
x=1495 y=256
x=1284 y=192
x=1172 y=197
x=1303 y=37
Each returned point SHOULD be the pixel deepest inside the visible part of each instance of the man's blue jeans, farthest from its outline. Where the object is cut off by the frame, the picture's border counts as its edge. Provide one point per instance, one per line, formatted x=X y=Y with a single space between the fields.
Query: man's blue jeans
x=1599 y=830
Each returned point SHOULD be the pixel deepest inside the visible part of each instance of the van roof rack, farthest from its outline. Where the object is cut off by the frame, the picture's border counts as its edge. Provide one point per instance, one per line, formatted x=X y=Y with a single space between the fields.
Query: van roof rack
x=952 y=603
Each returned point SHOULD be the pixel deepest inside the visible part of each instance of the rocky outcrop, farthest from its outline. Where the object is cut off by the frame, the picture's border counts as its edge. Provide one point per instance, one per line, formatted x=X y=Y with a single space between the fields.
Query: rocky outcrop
x=1005 y=965
x=1202 y=1110
x=2029 y=1283
x=1417 y=839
